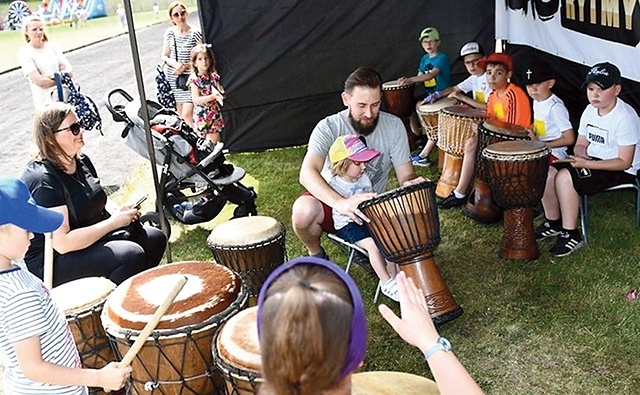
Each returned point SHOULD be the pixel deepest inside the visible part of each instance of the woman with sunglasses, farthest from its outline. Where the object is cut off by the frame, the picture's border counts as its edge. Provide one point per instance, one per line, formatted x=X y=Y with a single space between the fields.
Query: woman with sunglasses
x=39 y=60
x=176 y=56
x=90 y=241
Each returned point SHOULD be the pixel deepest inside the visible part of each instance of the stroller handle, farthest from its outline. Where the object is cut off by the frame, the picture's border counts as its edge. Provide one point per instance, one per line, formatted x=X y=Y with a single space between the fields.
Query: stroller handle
x=117 y=111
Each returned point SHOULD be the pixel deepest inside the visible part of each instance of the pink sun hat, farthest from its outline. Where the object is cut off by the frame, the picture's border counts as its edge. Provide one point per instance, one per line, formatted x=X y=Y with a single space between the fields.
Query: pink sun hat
x=352 y=147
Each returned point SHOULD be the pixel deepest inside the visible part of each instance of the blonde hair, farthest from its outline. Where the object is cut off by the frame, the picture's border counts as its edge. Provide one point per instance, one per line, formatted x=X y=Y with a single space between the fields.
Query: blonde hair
x=25 y=26
x=304 y=339
x=206 y=49
x=341 y=167
x=46 y=123
x=173 y=5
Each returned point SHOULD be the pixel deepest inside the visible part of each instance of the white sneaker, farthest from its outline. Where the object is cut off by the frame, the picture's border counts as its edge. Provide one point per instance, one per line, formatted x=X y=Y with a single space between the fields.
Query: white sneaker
x=390 y=289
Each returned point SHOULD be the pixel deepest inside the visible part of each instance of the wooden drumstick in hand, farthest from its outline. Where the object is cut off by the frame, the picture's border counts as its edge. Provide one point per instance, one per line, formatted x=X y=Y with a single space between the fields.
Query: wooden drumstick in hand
x=151 y=325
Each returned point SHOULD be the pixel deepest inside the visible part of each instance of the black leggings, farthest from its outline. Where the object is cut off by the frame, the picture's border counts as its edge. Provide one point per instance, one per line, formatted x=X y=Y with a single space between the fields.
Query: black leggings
x=116 y=259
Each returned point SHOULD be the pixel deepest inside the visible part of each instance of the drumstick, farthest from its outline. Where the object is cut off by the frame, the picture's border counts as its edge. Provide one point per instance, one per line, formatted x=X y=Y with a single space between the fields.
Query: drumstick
x=151 y=325
x=48 y=260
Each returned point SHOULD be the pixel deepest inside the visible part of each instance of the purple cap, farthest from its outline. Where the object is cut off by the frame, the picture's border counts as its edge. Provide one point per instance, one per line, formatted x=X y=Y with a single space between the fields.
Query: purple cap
x=358 y=334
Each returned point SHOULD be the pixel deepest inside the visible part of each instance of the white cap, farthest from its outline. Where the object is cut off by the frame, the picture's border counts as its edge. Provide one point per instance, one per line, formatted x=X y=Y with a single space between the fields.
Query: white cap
x=471 y=48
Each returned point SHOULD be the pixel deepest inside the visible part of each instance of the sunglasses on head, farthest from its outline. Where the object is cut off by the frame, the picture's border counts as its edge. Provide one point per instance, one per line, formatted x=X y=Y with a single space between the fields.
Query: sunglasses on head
x=179 y=14
x=74 y=128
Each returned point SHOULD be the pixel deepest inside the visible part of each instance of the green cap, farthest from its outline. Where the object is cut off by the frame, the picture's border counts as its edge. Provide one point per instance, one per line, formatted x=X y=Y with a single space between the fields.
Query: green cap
x=430 y=32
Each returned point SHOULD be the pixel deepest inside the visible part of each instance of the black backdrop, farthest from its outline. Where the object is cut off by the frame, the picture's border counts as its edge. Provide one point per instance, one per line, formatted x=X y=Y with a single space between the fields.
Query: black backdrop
x=284 y=62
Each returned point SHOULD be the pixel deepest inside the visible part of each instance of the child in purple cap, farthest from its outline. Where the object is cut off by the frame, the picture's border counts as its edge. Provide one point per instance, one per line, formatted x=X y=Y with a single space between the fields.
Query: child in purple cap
x=348 y=156
x=37 y=349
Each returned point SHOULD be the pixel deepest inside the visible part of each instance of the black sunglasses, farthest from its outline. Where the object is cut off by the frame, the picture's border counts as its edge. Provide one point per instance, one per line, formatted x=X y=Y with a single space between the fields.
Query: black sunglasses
x=74 y=128
x=179 y=14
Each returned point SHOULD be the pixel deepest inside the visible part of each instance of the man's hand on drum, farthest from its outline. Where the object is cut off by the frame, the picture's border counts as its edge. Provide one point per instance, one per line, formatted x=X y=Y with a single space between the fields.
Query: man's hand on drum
x=113 y=377
x=349 y=206
x=415 y=325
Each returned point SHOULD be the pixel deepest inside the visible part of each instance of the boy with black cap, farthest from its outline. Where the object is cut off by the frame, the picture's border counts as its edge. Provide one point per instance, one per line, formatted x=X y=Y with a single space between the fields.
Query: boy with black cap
x=476 y=83
x=37 y=349
x=507 y=102
x=606 y=154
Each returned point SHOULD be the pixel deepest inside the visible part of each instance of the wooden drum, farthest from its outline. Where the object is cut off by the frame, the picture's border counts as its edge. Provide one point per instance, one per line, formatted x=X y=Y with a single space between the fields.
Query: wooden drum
x=429 y=114
x=252 y=247
x=405 y=225
x=480 y=205
x=517 y=175
x=236 y=353
x=387 y=383
x=82 y=301
x=176 y=359
x=399 y=98
x=455 y=126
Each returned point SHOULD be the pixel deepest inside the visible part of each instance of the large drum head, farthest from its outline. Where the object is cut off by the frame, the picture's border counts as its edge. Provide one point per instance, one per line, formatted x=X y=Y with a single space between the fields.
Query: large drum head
x=81 y=295
x=465 y=112
x=383 y=383
x=435 y=107
x=510 y=131
x=245 y=231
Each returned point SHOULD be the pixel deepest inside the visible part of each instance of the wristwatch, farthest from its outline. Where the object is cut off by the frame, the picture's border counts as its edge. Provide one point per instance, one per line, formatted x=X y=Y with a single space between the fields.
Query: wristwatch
x=441 y=344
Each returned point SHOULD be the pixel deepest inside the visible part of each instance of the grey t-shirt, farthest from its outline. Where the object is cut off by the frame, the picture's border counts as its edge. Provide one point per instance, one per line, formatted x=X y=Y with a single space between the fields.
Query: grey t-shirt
x=389 y=138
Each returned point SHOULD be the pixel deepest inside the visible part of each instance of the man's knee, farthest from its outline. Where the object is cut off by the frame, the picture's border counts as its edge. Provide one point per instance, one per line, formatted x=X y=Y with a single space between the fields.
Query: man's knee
x=306 y=212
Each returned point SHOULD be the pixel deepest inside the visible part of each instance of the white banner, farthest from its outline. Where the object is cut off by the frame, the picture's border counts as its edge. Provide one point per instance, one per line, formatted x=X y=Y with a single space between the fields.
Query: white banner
x=583 y=31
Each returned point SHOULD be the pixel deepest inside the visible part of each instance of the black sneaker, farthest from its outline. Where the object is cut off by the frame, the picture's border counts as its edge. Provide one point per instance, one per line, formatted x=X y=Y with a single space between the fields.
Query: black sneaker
x=452 y=201
x=566 y=244
x=546 y=230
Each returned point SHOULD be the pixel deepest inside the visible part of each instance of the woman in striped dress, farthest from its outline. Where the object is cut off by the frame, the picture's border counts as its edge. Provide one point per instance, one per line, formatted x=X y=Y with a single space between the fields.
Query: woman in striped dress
x=176 y=49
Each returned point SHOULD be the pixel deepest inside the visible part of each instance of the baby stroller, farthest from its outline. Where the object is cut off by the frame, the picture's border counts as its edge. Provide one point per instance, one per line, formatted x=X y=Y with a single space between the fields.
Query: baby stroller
x=189 y=163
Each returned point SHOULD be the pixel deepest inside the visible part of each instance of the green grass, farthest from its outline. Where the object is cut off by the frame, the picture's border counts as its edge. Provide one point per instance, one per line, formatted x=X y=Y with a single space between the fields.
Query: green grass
x=96 y=30
x=554 y=325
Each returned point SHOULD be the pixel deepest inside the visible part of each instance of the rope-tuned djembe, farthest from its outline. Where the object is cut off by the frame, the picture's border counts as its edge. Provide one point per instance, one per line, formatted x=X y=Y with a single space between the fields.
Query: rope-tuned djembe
x=517 y=175
x=405 y=225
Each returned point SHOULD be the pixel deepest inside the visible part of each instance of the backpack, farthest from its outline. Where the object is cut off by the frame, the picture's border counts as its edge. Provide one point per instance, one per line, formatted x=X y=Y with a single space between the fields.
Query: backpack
x=165 y=96
x=86 y=110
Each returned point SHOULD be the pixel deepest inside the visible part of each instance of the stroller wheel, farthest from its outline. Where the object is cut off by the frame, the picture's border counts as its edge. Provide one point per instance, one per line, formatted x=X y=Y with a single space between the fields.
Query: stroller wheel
x=153 y=219
x=245 y=209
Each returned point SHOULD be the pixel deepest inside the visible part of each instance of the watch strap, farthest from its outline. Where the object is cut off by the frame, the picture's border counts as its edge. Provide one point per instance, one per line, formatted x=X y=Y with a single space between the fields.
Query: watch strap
x=442 y=344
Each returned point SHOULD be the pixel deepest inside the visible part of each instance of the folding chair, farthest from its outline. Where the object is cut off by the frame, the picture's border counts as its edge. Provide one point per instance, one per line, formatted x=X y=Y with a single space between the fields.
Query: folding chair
x=357 y=255
x=584 y=212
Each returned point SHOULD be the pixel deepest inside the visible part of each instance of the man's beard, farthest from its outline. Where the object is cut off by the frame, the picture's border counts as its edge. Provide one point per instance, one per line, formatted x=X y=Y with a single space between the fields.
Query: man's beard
x=360 y=128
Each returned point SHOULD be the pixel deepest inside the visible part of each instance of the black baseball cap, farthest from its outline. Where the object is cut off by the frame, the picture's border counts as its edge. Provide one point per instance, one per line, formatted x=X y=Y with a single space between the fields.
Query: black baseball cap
x=537 y=71
x=605 y=75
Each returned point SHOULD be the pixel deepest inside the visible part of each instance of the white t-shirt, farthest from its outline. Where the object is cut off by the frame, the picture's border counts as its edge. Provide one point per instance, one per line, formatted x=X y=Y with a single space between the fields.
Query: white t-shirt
x=27 y=310
x=605 y=134
x=346 y=189
x=389 y=138
x=550 y=119
x=478 y=85
x=46 y=61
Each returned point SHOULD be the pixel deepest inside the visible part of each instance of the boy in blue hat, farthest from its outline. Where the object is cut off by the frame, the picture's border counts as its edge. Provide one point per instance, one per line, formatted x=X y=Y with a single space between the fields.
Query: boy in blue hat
x=37 y=349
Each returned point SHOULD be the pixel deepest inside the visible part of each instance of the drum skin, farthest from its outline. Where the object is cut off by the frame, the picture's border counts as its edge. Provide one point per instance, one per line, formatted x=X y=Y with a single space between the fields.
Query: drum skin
x=405 y=225
x=176 y=360
x=480 y=205
x=456 y=125
x=251 y=246
x=517 y=175
x=82 y=301
x=388 y=383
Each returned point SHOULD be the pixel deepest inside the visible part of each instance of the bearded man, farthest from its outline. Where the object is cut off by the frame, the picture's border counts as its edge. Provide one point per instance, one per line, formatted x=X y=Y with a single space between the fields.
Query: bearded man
x=311 y=212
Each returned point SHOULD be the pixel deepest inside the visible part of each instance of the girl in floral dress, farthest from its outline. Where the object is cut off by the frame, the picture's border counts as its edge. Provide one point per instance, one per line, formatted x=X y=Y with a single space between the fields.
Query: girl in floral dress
x=207 y=92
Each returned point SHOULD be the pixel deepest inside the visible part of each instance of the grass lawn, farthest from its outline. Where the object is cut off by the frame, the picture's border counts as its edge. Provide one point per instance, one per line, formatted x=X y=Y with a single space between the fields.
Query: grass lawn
x=554 y=325
x=96 y=30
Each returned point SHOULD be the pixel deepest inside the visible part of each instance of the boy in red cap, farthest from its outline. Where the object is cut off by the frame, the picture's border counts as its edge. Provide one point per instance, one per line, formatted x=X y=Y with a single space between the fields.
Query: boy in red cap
x=507 y=102
x=348 y=155
x=37 y=349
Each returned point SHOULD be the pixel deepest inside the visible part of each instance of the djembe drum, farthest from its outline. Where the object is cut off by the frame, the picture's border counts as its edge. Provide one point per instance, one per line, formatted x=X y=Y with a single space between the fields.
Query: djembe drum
x=405 y=225
x=176 y=359
x=517 y=175
x=455 y=126
x=400 y=102
x=236 y=352
x=250 y=246
x=428 y=115
x=384 y=383
x=480 y=205
x=82 y=301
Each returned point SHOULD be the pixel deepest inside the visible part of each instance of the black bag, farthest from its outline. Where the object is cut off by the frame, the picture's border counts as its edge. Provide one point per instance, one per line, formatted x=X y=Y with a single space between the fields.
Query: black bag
x=182 y=82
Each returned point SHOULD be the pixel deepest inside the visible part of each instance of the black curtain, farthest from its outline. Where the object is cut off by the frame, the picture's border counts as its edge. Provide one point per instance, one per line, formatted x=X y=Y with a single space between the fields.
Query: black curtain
x=284 y=62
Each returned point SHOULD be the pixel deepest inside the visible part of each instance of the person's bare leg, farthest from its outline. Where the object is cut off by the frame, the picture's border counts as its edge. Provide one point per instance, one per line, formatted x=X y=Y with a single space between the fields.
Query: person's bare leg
x=568 y=199
x=306 y=218
x=427 y=148
x=414 y=122
x=187 y=113
x=549 y=200
x=375 y=257
x=468 y=164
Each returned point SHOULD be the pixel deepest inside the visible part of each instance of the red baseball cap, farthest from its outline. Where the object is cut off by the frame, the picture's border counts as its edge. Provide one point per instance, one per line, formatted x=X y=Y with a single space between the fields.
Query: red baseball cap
x=497 y=57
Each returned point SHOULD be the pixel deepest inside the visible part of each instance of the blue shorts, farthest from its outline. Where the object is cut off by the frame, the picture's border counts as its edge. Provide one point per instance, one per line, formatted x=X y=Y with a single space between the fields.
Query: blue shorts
x=353 y=232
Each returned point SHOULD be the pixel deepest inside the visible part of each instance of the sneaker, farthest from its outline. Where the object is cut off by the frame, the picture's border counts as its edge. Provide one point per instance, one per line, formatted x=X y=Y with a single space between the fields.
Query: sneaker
x=566 y=244
x=546 y=230
x=417 y=160
x=452 y=201
x=390 y=289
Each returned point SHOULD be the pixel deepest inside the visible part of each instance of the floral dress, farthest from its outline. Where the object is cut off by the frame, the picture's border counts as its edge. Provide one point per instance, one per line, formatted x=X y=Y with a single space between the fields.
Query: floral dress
x=207 y=117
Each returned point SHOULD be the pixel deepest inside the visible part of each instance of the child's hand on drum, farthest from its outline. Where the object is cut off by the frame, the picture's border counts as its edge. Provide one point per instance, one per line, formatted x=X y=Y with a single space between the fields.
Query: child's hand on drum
x=415 y=327
x=404 y=80
x=113 y=377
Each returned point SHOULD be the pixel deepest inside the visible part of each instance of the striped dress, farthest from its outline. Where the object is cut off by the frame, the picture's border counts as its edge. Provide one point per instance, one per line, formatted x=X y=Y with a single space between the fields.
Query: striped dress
x=27 y=310
x=184 y=44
